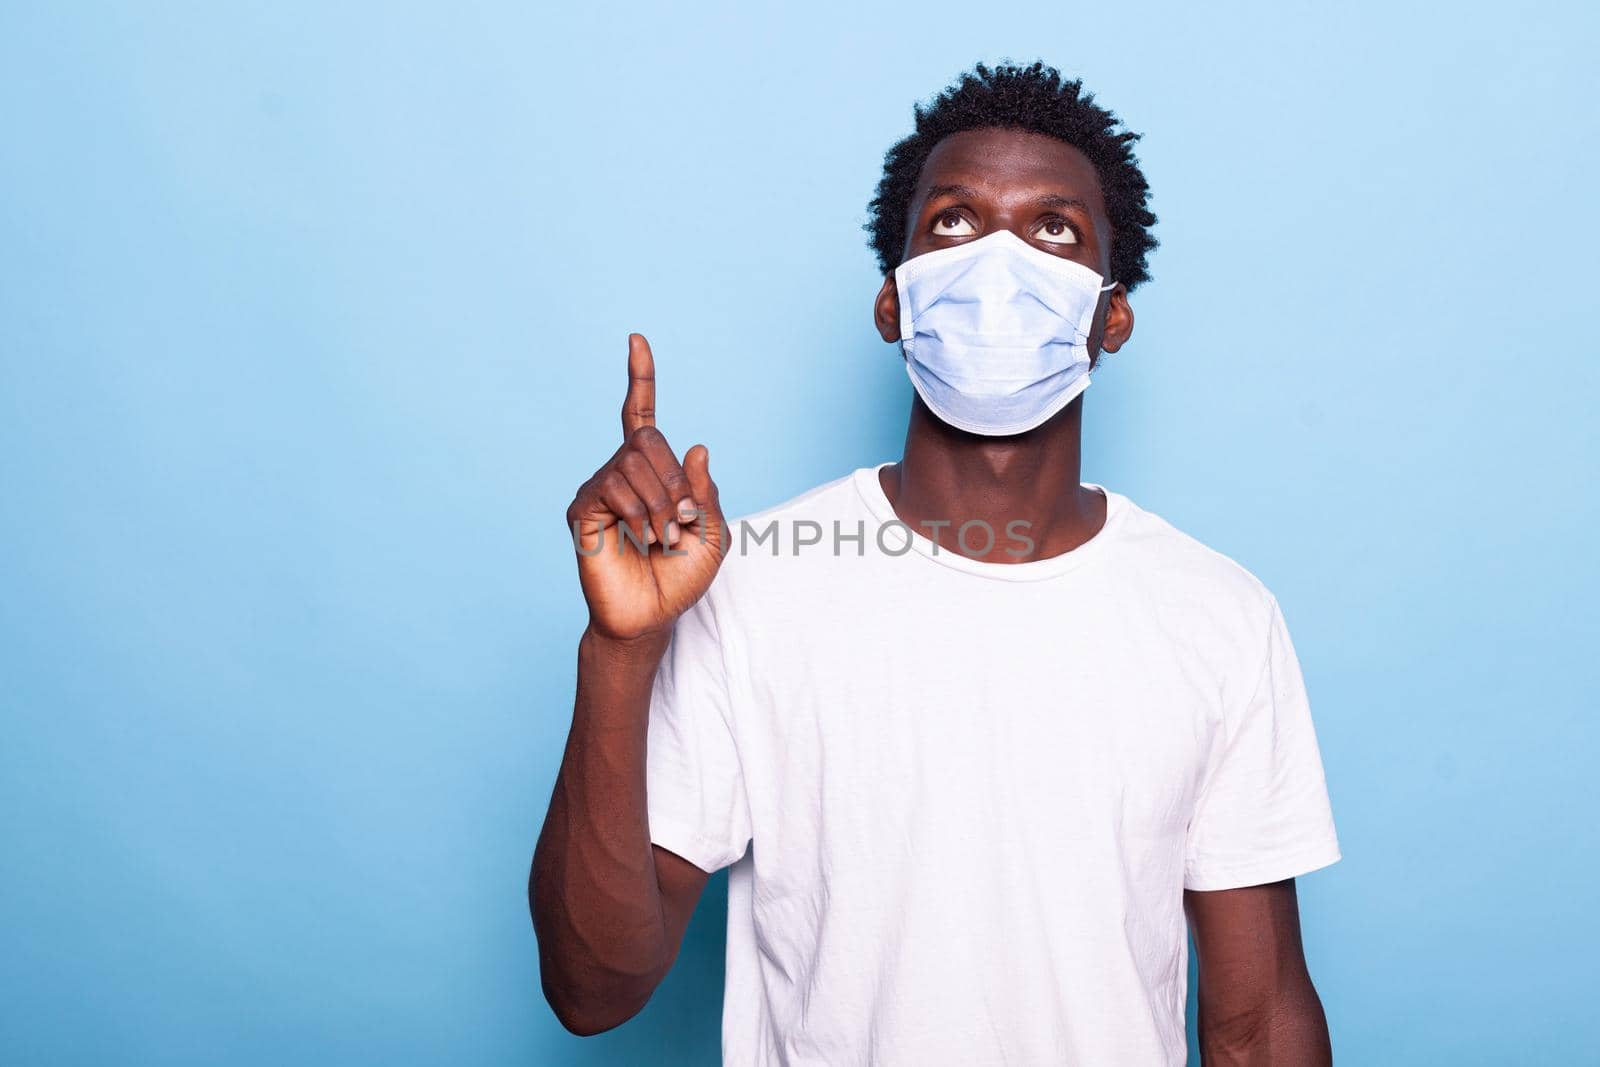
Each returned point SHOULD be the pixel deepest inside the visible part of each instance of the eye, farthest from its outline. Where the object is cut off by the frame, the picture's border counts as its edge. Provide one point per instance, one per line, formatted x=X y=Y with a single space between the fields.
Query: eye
x=952 y=224
x=1057 y=230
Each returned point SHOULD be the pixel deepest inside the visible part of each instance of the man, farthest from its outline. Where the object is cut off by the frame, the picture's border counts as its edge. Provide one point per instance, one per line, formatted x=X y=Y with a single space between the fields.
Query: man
x=974 y=736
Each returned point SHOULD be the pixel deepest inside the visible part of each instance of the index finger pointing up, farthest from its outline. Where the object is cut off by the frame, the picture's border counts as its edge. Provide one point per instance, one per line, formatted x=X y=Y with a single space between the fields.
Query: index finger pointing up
x=639 y=407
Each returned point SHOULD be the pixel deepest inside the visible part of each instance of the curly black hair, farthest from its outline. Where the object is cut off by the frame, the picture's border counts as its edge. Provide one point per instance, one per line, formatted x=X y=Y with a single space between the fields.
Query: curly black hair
x=1031 y=98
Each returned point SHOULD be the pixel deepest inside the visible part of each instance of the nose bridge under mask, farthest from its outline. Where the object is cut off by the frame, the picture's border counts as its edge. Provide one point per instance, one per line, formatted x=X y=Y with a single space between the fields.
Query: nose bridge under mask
x=1001 y=267
x=991 y=293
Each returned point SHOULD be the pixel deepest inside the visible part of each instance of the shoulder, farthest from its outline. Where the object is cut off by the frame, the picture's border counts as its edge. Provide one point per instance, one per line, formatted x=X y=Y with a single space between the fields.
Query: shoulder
x=1191 y=578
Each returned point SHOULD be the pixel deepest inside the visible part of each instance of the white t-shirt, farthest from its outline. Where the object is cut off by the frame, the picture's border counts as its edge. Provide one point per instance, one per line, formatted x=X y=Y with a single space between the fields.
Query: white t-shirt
x=962 y=800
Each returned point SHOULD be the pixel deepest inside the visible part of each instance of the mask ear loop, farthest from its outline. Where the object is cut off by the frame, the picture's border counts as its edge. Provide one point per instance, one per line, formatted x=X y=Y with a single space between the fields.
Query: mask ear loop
x=1110 y=286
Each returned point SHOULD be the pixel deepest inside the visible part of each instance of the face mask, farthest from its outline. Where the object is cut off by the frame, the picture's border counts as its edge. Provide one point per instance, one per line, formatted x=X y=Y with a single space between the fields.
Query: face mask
x=995 y=332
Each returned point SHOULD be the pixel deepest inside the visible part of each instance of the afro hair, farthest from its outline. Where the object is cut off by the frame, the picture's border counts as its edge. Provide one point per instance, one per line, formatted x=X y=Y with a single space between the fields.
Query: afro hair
x=1031 y=98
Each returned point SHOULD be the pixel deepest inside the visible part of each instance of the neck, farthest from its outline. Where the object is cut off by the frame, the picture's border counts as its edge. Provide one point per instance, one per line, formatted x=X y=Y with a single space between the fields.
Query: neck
x=948 y=477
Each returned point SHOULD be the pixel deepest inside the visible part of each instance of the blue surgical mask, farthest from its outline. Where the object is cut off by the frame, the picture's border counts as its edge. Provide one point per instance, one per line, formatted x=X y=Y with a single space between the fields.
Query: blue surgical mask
x=995 y=332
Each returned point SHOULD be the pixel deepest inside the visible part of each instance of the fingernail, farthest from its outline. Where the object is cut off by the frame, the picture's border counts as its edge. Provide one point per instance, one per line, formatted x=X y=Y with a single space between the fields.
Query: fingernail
x=672 y=533
x=687 y=511
x=649 y=535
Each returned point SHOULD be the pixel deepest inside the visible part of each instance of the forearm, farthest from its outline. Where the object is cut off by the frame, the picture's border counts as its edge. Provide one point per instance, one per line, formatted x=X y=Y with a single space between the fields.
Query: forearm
x=597 y=908
x=1283 y=1028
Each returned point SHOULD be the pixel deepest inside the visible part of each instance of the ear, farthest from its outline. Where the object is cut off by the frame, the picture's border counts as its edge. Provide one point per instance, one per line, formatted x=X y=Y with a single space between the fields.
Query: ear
x=1116 y=324
x=886 y=310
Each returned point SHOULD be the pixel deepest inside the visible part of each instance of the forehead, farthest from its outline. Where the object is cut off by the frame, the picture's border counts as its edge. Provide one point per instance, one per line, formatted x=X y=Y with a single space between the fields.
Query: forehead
x=1011 y=164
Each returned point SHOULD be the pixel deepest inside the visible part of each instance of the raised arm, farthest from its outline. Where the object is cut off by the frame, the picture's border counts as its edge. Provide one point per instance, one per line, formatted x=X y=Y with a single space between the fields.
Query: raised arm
x=609 y=908
x=1257 y=1004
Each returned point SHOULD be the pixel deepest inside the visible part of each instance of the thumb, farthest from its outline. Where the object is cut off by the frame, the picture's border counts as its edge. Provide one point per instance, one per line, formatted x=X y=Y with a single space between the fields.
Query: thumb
x=697 y=468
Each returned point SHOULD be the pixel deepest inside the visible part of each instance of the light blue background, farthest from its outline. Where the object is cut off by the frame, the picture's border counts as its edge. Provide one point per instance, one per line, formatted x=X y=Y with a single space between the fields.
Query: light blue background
x=312 y=320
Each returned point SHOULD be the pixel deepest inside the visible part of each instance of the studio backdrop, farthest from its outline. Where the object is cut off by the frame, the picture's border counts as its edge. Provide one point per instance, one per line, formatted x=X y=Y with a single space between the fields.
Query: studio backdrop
x=313 y=317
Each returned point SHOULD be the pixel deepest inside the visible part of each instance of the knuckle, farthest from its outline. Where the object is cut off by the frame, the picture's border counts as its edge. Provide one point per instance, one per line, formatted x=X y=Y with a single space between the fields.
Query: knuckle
x=645 y=436
x=634 y=464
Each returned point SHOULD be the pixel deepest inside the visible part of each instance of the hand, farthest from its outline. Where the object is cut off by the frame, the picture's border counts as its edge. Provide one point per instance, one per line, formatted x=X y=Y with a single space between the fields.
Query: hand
x=648 y=531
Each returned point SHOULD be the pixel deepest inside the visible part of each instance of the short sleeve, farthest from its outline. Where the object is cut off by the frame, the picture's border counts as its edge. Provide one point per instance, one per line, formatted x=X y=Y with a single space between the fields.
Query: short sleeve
x=694 y=787
x=1263 y=813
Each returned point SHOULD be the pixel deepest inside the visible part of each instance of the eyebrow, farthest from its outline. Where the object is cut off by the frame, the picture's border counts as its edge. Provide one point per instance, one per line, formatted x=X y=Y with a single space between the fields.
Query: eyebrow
x=1054 y=200
x=950 y=190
